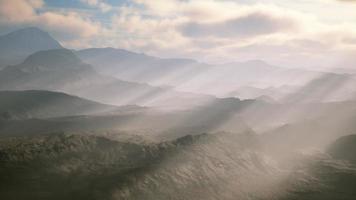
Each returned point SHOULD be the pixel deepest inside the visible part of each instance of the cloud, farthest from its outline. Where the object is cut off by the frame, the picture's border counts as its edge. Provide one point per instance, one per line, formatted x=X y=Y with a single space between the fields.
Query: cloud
x=253 y=24
x=18 y=11
x=200 y=29
x=350 y=40
x=348 y=0
x=67 y=26
x=71 y=25
x=159 y=7
x=223 y=31
x=208 y=30
x=104 y=7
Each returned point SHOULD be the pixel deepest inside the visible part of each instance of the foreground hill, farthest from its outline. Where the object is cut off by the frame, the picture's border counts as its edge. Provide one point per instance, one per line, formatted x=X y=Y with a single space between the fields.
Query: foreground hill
x=344 y=148
x=45 y=104
x=17 y=45
x=91 y=167
x=220 y=166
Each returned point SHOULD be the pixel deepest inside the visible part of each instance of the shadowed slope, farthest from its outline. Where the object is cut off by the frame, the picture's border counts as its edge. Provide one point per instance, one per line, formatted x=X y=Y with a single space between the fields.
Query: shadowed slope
x=45 y=104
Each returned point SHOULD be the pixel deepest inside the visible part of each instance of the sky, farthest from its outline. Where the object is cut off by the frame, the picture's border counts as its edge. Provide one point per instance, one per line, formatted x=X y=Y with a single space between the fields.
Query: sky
x=288 y=33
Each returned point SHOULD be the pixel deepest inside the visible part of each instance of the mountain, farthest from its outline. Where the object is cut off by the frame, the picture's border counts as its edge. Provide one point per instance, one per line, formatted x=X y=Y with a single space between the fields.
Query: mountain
x=52 y=60
x=17 y=45
x=51 y=69
x=62 y=70
x=45 y=104
x=249 y=79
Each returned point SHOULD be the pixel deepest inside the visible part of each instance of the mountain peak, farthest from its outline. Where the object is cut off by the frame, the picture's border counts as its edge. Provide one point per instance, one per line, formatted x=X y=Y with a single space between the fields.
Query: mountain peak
x=27 y=41
x=54 y=59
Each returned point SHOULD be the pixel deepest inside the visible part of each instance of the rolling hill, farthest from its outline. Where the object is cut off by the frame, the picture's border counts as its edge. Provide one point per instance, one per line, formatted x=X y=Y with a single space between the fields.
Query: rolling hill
x=92 y=167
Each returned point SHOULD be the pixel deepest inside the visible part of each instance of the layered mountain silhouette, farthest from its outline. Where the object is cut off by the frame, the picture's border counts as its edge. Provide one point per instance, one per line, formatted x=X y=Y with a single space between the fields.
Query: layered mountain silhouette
x=183 y=74
x=17 y=45
x=249 y=79
x=62 y=70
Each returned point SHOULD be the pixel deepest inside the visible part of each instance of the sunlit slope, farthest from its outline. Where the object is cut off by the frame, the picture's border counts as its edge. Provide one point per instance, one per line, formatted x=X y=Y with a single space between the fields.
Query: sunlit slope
x=220 y=166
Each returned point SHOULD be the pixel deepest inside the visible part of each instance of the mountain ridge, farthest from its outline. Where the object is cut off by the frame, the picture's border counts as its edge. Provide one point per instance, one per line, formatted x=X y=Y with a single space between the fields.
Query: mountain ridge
x=17 y=45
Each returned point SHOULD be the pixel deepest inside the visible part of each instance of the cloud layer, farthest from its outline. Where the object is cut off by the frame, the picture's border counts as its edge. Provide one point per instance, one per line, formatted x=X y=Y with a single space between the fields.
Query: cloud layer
x=68 y=26
x=251 y=25
x=209 y=30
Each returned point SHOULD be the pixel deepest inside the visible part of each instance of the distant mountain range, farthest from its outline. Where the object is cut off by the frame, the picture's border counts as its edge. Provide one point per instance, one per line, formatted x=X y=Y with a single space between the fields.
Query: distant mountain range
x=249 y=79
x=150 y=76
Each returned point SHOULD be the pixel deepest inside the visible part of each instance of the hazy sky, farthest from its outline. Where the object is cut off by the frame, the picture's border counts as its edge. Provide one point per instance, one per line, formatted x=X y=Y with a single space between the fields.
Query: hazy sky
x=285 y=32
